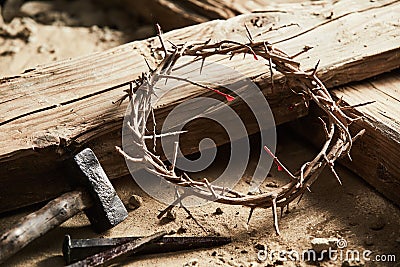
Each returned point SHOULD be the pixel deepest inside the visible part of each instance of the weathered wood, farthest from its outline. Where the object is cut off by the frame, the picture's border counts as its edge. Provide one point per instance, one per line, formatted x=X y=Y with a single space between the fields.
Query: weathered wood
x=180 y=13
x=62 y=107
x=375 y=157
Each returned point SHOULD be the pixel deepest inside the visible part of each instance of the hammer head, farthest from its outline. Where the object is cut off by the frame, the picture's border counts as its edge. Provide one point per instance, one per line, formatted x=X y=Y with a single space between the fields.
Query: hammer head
x=107 y=209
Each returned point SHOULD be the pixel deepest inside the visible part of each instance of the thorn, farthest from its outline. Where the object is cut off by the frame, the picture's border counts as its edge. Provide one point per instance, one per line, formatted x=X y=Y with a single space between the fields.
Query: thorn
x=194 y=219
x=281 y=167
x=148 y=65
x=210 y=187
x=175 y=155
x=339 y=101
x=305 y=49
x=357 y=105
x=174 y=46
x=159 y=33
x=253 y=53
x=331 y=165
x=202 y=64
x=270 y=66
x=300 y=198
x=324 y=127
x=228 y=97
x=248 y=34
x=275 y=215
x=250 y=214
x=315 y=68
x=358 y=135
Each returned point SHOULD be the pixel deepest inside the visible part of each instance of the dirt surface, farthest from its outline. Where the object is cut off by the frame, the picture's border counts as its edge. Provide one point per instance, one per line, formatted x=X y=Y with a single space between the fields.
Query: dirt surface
x=41 y=32
x=353 y=212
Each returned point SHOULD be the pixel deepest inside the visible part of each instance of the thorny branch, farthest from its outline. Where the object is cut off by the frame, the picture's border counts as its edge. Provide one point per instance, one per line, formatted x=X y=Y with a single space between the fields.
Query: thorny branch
x=338 y=139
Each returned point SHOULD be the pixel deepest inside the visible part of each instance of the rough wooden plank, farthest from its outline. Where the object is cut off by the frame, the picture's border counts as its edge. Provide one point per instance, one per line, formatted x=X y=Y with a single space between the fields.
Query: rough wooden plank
x=64 y=106
x=376 y=155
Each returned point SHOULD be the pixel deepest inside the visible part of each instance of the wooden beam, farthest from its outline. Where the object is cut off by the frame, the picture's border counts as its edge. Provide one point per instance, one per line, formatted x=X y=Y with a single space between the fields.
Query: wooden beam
x=56 y=109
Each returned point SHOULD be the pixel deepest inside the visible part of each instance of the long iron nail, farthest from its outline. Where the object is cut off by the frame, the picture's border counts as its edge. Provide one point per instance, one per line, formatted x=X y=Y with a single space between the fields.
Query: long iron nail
x=78 y=249
x=119 y=251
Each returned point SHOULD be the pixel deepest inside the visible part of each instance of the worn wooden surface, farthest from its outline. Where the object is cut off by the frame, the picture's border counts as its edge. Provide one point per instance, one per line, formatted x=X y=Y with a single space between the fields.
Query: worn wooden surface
x=59 y=108
x=180 y=13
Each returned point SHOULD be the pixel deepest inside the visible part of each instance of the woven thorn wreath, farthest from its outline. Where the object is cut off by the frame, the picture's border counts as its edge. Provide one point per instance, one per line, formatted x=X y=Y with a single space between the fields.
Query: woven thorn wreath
x=338 y=138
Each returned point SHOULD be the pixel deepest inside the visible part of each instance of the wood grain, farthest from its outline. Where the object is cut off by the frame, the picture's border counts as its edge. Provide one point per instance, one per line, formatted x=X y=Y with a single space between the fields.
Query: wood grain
x=53 y=111
x=181 y=13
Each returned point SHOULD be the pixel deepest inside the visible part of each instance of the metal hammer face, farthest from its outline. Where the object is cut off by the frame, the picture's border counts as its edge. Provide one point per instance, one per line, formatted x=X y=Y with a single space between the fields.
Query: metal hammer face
x=107 y=209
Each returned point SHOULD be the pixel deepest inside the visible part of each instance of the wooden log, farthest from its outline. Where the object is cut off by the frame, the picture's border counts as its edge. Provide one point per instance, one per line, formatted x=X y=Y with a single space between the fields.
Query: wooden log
x=375 y=156
x=57 y=109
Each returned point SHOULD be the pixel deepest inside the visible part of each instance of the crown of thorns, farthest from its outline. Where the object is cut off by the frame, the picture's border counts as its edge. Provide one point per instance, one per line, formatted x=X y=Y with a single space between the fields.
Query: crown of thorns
x=337 y=144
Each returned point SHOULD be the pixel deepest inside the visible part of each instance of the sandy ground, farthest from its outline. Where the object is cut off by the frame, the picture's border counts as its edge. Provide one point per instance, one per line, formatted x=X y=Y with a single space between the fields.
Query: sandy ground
x=353 y=212
x=45 y=31
x=48 y=31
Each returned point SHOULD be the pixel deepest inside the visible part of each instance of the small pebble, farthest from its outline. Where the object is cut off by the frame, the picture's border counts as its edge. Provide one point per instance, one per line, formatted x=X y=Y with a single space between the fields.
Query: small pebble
x=107 y=35
x=320 y=244
x=192 y=263
x=353 y=223
x=135 y=202
x=94 y=28
x=213 y=231
x=214 y=253
x=244 y=251
x=218 y=211
x=259 y=246
x=271 y=184
x=378 y=223
x=368 y=241
x=45 y=49
x=182 y=230
x=171 y=215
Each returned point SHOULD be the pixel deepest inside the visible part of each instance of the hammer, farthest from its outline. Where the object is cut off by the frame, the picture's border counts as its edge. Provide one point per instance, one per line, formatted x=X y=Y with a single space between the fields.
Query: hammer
x=100 y=202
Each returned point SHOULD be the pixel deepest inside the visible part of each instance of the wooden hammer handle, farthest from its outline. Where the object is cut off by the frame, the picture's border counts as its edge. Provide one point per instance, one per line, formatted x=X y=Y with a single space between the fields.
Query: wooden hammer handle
x=40 y=222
